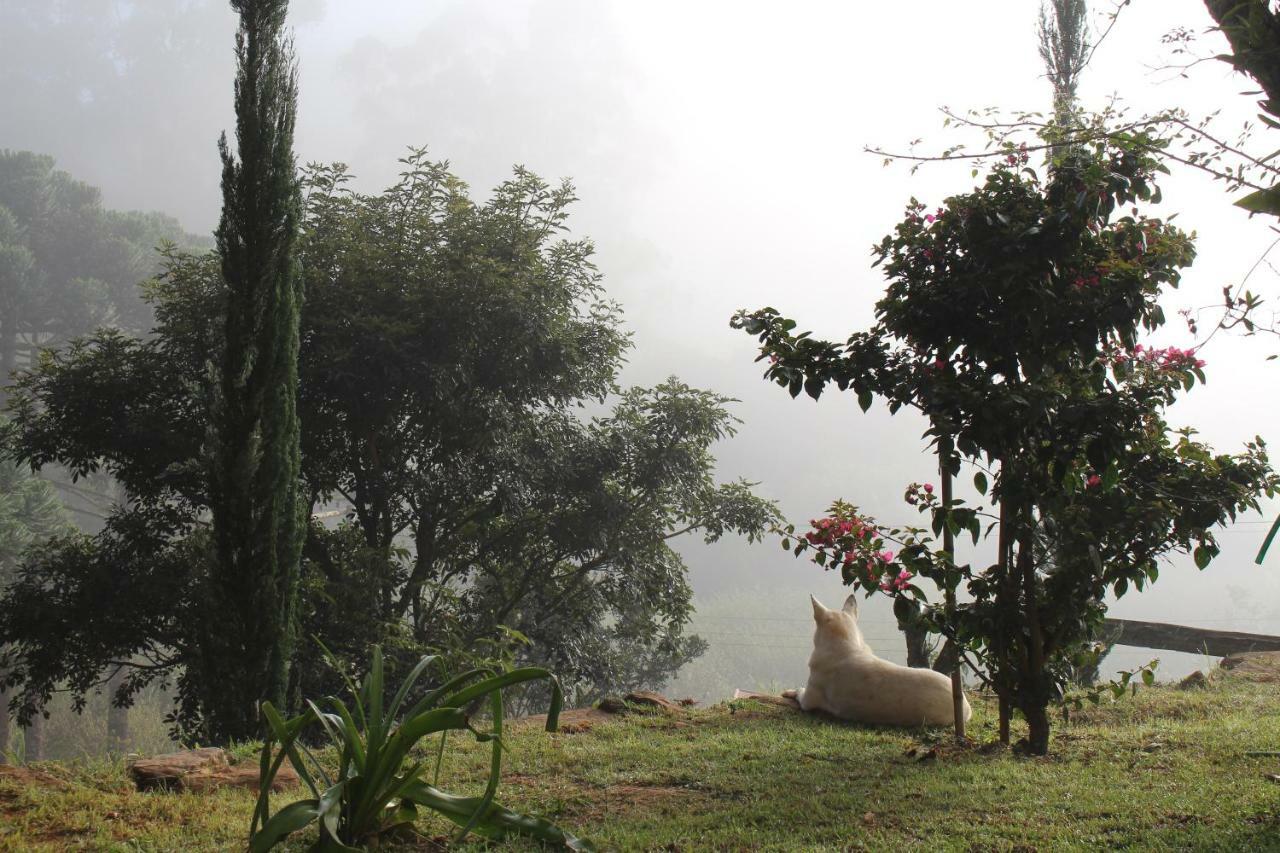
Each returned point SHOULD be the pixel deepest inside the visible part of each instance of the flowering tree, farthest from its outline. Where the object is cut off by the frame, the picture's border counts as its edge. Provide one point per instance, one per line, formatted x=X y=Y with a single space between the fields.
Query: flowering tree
x=1011 y=320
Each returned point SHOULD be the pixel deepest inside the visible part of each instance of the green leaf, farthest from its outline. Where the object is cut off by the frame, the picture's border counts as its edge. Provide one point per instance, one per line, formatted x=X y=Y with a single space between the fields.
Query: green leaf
x=980 y=482
x=288 y=820
x=864 y=399
x=1203 y=556
x=1262 y=201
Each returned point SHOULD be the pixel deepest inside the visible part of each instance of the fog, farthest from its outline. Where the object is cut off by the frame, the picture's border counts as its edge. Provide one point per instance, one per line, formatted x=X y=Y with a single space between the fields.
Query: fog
x=717 y=150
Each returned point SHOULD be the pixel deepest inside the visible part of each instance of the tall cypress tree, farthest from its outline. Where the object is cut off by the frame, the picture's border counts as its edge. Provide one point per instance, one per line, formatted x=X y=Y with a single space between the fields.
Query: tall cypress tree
x=258 y=515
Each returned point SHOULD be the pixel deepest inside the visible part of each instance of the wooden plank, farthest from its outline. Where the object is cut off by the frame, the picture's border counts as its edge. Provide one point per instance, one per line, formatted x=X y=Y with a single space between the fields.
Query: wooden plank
x=1182 y=638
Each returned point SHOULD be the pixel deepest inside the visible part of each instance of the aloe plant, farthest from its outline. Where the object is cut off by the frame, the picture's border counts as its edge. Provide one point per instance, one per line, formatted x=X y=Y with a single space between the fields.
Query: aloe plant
x=378 y=789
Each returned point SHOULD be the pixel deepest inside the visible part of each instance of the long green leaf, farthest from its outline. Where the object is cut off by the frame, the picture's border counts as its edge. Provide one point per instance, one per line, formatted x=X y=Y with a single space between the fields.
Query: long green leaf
x=376 y=726
x=497 y=822
x=508 y=679
x=495 y=767
x=379 y=773
x=351 y=735
x=289 y=819
x=287 y=733
x=432 y=699
x=410 y=680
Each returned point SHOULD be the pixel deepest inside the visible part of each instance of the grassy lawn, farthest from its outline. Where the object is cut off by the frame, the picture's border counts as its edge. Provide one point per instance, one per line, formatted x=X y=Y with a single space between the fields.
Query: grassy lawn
x=1163 y=771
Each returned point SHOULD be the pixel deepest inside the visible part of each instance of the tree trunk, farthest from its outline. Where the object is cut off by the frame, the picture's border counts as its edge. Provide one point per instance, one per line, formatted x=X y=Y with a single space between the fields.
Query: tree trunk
x=33 y=738
x=1006 y=601
x=1038 y=723
x=949 y=545
x=917 y=646
x=117 y=717
x=947 y=661
x=4 y=725
x=1034 y=689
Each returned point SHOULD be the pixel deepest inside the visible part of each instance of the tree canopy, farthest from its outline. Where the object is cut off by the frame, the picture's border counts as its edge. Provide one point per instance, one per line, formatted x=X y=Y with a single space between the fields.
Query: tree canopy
x=450 y=354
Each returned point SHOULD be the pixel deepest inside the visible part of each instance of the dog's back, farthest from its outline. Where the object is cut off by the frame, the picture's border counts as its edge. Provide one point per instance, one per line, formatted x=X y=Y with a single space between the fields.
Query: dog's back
x=847 y=680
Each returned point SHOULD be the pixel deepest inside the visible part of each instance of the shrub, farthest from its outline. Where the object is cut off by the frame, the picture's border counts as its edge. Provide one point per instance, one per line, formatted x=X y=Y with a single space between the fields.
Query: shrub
x=377 y=790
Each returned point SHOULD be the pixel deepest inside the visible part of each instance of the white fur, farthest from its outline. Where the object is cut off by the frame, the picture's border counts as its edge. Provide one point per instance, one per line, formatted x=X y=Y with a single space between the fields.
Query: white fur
x=847 y=680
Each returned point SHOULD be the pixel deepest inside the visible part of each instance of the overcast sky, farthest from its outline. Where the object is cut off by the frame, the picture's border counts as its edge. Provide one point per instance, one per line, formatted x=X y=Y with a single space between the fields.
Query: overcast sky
x=717 y=152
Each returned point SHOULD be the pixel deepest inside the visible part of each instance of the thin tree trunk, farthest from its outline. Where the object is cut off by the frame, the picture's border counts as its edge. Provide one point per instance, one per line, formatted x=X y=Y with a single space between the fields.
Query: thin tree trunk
x=117 y=717
x=949 y=545
x=1035 y=687
x=4 y=725
x=917 y=643
x=33 y=738
x=1007 y=601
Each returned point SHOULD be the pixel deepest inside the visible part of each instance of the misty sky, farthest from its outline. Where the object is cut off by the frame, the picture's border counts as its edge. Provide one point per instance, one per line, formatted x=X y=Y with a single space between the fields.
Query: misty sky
x=717 y=152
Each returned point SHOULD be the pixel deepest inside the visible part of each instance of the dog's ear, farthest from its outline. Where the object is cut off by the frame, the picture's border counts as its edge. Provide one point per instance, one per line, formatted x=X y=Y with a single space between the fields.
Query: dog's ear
x=851 y=606
x=818 y=609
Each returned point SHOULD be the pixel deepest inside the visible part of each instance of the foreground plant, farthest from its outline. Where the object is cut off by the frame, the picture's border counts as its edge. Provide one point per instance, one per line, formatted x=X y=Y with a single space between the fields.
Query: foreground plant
x=376 y=791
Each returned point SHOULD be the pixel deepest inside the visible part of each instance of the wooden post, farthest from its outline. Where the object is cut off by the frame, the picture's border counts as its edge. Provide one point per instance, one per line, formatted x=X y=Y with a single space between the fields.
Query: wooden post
x=949 y=545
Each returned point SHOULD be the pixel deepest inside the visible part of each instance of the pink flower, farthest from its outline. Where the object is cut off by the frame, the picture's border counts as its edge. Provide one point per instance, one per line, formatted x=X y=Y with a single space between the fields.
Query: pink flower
x=928 y=487
x=887 y=556
x=1093 y=482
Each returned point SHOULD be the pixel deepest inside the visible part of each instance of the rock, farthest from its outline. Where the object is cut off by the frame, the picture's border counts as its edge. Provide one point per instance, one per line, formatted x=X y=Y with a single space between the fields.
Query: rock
x=1195 y=680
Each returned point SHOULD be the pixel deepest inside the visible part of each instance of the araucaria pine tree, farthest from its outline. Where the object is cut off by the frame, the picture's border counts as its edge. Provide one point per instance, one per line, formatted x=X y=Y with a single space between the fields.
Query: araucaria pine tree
x=258 y=516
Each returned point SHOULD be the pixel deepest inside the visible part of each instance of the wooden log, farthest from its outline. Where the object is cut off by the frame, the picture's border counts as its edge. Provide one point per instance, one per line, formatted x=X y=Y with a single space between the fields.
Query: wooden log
x=166 y=771
x=1182 y=638
x=202 y=770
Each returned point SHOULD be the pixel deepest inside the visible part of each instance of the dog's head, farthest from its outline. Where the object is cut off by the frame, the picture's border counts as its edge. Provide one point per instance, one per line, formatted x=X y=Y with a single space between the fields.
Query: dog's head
x=836 y=626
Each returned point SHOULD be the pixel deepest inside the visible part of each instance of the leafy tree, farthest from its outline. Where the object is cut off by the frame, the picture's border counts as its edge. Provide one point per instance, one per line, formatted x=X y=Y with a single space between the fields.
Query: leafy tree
x=447 y=349
x=258 y=523
x=67 y=265
x=1011 y=320
x=30 y=513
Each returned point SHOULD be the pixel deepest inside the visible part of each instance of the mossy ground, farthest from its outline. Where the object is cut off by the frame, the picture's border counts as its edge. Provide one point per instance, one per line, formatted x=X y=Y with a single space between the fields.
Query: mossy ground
x=1165 y=770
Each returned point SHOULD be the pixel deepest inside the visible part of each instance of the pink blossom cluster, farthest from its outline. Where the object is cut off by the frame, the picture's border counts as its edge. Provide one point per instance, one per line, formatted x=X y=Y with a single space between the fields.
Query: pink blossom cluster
x=917 y=493
x=901 y=582
x=1018 y=158
x=855 y=541
x=1168 y=358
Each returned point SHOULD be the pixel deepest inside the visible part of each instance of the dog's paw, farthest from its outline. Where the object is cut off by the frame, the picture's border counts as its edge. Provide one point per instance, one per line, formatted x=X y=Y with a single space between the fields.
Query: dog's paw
x=791 y=694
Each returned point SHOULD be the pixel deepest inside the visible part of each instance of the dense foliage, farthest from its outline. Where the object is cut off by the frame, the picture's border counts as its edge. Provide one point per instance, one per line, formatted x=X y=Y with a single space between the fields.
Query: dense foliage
x=1011 y=320
x=447 y=348
x=67 y=264
x=248 y=626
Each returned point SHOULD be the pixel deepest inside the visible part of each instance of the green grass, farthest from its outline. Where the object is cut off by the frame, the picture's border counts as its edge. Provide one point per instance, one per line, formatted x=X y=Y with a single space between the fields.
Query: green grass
x=1166 y=770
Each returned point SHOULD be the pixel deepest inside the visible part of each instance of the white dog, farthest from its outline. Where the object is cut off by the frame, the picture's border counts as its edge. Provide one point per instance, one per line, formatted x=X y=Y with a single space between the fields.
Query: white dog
x=847 y=680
